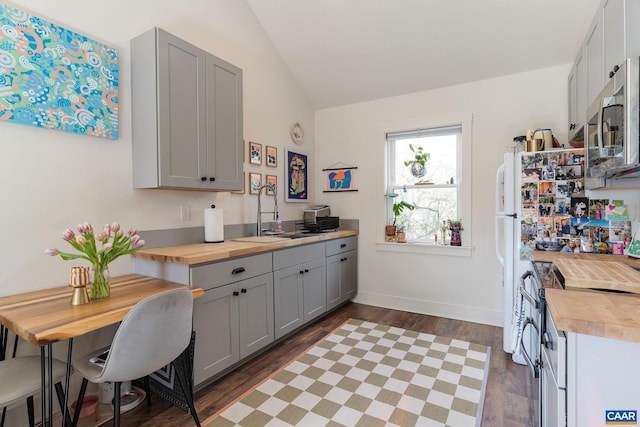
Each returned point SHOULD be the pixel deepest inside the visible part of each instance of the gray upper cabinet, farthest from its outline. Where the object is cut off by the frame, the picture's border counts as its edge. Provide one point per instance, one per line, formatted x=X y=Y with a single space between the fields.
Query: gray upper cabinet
x=187 y=116
x=621 y=32
x=577 y=96
x=594 y=57
x=613 y=36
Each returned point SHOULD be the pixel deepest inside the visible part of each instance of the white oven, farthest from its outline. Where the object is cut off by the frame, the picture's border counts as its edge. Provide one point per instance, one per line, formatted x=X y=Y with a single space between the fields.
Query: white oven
x=532 y=297
x=553 y=375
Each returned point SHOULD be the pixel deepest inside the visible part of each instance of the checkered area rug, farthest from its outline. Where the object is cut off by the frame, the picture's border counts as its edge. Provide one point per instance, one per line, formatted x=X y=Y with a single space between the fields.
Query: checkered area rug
x=369 y=375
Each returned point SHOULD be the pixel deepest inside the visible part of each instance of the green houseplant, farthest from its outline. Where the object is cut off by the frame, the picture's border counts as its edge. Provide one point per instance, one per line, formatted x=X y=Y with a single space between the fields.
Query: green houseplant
x=397 y=208
x=418 y=162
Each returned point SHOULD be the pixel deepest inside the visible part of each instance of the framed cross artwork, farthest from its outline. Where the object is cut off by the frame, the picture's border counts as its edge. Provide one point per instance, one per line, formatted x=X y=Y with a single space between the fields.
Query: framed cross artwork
x=297 y=176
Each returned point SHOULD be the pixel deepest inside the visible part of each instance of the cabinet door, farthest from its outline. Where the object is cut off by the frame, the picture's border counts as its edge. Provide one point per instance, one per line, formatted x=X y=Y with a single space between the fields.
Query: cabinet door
x=256 y=313
x=342 y=278
x=334 y=290
x=595 y=60
x=288 y=299
x=577 y=96
x=224 y=125
x=215 y=320
x=314 y=289
x=349 y=275
x=613 y=34
x=181 y=112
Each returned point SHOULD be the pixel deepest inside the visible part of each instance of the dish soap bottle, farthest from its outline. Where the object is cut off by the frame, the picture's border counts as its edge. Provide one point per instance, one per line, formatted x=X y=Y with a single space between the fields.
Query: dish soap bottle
x=278 y=227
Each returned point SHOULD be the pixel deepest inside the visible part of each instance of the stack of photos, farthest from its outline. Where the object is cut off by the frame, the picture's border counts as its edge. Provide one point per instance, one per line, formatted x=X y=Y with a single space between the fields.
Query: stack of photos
x=556 y=215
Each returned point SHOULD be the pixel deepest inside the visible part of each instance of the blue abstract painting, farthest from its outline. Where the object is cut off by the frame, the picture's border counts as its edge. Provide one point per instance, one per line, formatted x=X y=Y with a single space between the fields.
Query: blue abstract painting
x=55 y=78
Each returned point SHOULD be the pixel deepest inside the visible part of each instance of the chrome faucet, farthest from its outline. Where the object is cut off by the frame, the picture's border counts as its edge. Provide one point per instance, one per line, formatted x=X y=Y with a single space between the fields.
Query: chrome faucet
x=271 y=187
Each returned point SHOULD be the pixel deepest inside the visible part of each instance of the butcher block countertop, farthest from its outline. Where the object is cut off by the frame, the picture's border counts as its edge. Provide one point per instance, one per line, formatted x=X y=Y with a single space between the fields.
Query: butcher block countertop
x=596 y=313
x=603 y=314
x=199 y=253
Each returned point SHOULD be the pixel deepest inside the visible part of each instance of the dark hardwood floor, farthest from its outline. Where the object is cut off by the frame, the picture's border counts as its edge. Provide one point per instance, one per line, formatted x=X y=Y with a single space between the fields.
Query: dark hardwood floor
x=508 y=396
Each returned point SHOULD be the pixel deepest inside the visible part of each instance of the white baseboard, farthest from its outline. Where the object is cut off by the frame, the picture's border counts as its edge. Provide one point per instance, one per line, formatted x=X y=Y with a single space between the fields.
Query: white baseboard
x=449 y=311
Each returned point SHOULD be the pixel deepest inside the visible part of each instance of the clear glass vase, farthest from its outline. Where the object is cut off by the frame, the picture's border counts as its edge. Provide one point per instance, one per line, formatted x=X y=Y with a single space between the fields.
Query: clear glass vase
x=100 y=287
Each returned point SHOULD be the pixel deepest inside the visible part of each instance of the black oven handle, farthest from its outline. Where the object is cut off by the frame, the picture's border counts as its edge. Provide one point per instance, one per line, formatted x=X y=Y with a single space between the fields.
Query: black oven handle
x=534 y=367
x=523 y=291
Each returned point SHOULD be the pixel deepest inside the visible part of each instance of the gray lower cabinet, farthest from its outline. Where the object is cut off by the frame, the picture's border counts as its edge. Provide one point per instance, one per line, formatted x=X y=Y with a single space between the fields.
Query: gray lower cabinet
x=234 y=318
x=342 y=271
x=187 y=116
x=251 y=301
x=300 y=292
x=231 y=323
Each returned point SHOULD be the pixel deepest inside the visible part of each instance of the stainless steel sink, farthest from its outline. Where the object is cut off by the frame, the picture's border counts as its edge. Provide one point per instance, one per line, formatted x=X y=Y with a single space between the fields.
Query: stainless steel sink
x=299 y=235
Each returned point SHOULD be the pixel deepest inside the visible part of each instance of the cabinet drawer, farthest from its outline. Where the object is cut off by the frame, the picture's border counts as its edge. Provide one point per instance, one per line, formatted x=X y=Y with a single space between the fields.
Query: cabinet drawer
x=298 y=255
x=210 y=276
x=338 y=246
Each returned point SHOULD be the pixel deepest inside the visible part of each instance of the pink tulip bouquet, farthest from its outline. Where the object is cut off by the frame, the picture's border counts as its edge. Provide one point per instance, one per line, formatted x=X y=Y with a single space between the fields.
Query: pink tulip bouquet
x=114 y=243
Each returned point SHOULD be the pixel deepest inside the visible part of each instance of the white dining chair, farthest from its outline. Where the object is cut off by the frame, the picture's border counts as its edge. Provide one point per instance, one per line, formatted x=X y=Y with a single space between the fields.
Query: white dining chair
x=20 y=379
x=152 y=335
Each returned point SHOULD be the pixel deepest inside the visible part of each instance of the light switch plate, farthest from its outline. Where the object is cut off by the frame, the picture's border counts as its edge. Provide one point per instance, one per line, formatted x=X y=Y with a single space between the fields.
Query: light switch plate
x=185 y=212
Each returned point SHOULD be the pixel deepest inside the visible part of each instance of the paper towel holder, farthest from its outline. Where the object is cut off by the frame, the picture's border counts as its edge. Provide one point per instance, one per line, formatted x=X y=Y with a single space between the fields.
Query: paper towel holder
x=213 y=231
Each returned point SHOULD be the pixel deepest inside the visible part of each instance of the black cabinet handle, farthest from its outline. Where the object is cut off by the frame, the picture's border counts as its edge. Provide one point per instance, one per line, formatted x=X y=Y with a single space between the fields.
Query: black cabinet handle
x=306 y=270
x=212 y=179
x=344 y=245
x=342 y=259
x=301 y=272
x=235 y=293
x=204 y=178
x=243 y=290
x=615 y=70
x=238 y=270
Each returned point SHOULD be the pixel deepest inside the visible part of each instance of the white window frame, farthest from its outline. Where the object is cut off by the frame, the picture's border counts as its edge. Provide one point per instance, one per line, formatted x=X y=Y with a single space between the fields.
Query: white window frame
x=465 y=121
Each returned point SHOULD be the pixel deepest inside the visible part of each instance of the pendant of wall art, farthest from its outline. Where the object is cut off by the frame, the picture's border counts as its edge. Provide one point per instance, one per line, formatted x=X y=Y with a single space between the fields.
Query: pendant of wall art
x=55 y=78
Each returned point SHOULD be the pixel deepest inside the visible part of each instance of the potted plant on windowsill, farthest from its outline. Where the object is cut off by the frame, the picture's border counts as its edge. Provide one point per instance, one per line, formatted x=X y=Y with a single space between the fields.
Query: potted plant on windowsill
x=401 y=235
x=418 y=162
x=391 y=230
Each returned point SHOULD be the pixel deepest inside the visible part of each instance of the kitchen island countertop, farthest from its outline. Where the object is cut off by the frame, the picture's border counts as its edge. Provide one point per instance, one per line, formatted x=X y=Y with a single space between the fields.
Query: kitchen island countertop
x=603 y=314
x=199 y=253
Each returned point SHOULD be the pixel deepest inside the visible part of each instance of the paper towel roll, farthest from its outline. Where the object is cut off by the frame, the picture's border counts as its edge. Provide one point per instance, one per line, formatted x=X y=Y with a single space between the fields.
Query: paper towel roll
x=213 y=226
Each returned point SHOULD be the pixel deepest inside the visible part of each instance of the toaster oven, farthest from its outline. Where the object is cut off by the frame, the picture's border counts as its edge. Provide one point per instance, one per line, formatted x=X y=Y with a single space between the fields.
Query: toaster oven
x=312 y=214
x=318 y=218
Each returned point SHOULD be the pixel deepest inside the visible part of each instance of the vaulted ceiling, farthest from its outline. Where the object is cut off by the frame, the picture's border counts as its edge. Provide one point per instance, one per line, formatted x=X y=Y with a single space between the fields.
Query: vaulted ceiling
x=347 y=51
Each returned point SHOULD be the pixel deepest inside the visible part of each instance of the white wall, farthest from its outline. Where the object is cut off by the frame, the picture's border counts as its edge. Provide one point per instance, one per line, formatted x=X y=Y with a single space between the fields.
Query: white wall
x=51 y=180
x=468 y=288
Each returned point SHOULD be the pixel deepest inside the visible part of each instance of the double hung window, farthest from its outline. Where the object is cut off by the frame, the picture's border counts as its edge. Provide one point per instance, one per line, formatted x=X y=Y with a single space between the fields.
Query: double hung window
x=433 y=197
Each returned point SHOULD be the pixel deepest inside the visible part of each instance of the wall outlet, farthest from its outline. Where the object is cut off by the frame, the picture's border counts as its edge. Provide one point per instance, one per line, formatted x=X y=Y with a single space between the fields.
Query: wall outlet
x=185 y=212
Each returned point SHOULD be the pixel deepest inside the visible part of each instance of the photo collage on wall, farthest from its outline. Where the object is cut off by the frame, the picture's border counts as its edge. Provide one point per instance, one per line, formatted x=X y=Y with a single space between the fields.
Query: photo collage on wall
x=557 y=216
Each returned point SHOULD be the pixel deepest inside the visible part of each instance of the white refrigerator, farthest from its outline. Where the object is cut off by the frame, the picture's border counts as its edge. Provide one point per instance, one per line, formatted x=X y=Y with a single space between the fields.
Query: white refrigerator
x=534 y=192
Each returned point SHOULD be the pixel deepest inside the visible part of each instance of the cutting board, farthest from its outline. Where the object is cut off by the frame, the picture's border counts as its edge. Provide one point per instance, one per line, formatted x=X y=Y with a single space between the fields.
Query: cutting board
x=611 y=275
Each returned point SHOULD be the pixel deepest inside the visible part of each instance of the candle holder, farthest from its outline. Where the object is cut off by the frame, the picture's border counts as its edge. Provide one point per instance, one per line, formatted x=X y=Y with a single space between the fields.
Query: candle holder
x=80 y=295
x=78 y=280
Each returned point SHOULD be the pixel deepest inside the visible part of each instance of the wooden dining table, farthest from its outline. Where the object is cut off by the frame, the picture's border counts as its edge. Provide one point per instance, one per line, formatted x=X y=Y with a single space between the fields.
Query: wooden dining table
x=46 y=316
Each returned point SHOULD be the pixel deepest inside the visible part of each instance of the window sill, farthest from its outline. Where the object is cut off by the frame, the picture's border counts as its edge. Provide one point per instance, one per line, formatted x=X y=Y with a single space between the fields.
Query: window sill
x=425 y=248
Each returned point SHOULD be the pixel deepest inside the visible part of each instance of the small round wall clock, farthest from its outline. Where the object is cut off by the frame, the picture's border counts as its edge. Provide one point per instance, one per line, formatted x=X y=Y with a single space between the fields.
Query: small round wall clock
x=297 y=134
